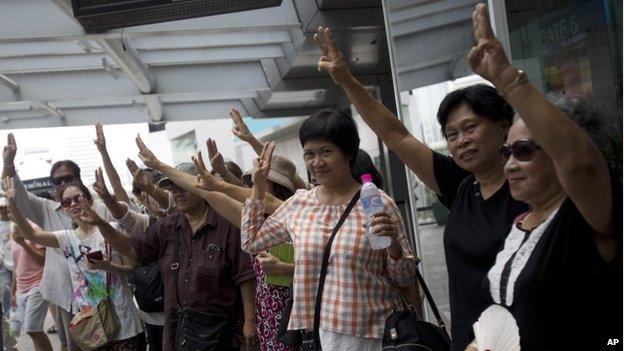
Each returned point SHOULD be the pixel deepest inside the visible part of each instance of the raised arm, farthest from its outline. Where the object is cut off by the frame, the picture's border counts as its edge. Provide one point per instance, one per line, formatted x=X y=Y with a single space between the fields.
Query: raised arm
x=211 y=183
x=35 y=253
x=32 y=207
x=257 y=233
x=111 y=172
x=580 y=166
x=218 y=164
x=416 y=155
x=35 y=235
x=242 y=131
x=117 y=239
x=99 y=186
x=142 y=181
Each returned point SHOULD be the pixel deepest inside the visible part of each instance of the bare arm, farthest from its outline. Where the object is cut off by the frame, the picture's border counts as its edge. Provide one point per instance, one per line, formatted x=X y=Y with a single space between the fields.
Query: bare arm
x=111 y=172
x=117 y=239
x=218 y=164
x=239 y=193
x=580 y=166
x=124 y=269
x=248 y=292
x=38 y=236
x=142 y=181
x=416 y=155
x=37 y=254
x=115 y=207
x=243 y=133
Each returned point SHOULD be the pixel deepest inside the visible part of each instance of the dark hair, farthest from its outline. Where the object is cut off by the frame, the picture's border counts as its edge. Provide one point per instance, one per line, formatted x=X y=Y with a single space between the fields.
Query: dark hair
x=234 y=169
x=482 y=99
x=281 y=192
x=333 y=126
x=67 y=163
x=79 y=185
x=364 y=164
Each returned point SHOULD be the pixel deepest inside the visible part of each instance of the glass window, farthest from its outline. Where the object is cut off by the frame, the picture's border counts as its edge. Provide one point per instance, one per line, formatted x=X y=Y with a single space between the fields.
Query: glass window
x=570 y=46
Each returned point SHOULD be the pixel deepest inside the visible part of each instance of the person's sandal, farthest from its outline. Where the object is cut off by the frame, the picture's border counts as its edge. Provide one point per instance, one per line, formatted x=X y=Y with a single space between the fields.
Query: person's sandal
x=52 y=330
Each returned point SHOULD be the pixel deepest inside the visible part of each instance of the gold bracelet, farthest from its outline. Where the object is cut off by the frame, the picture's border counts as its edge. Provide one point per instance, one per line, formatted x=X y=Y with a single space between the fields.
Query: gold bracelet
x=520 y=79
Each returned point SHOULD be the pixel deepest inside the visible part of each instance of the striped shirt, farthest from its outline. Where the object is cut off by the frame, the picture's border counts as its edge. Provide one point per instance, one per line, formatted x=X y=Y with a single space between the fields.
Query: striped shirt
x=357 y=297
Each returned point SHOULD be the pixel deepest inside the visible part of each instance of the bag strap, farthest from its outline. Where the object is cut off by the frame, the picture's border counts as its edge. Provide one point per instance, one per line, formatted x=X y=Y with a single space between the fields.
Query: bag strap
x=408 y=306
x=175 y=265
x=321 y=284
x=108 y=250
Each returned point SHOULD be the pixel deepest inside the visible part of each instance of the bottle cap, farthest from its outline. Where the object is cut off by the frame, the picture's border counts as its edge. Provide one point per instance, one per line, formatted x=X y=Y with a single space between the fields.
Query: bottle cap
x=366 y=178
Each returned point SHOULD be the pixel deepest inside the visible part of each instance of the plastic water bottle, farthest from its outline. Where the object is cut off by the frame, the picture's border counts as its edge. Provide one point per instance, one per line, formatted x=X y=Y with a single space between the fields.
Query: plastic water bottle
x=15 y=323
x=372 y=204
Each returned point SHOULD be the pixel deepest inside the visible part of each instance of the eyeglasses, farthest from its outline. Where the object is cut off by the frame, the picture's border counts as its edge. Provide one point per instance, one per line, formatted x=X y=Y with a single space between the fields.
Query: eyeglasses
x=522 y=150
x=63 y=179
x=67 y=201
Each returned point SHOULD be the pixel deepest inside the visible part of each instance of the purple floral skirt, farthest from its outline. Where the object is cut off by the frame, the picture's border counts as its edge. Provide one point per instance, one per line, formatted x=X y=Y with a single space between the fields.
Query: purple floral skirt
x=271 y=300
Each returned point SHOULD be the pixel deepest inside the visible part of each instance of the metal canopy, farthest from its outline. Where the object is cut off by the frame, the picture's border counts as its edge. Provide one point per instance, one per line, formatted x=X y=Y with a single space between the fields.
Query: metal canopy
x=262 y=62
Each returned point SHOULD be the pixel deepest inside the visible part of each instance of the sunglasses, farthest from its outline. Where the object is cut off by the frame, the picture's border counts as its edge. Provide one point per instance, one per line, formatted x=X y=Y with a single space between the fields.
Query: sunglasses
x=63 y=179
x=67 y=201
x=522 y=150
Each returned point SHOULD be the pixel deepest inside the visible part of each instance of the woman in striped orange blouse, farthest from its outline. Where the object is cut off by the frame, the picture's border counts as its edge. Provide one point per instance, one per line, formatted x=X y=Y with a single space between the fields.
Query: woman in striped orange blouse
x=357 y=297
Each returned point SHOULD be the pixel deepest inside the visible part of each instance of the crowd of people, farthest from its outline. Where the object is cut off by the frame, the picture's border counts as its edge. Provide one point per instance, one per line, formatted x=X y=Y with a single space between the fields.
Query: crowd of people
x=184 y=261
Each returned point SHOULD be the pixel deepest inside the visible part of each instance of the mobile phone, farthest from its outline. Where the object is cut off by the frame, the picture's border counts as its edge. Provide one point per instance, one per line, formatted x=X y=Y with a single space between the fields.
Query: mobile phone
x=95 y=256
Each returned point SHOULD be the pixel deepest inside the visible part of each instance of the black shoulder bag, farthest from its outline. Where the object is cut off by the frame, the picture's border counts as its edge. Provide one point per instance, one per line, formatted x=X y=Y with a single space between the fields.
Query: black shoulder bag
x=311 y=340
x=196 y=330
x=149 y=288
x=406 y=331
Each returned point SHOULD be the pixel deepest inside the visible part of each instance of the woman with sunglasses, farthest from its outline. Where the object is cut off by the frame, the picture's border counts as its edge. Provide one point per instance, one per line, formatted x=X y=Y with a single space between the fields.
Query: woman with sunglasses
x=88 y=276
x=471 y=184
x=559 y=272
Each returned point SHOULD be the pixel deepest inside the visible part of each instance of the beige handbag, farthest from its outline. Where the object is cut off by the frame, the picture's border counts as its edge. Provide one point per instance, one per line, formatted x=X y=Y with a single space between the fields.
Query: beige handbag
x=98 y=326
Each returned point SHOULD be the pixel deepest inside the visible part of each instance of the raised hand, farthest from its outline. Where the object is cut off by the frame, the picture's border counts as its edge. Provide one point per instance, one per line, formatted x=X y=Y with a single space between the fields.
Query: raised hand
x=146 y=155
x=216 y=159
x=205 y=180
x=87 y=214
x=331 y=60
x=132 y=166
x=262 y=166
x=100 y=186
x=100 y=141
x=240 y=127
x=487 y=58
x=10 y=149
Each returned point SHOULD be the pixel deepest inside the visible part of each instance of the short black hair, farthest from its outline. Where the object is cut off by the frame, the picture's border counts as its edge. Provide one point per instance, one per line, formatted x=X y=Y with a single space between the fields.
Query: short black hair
x=482 y=99
x=364 y=164
x=336 y=127
x=85 y=191
x=67 y=163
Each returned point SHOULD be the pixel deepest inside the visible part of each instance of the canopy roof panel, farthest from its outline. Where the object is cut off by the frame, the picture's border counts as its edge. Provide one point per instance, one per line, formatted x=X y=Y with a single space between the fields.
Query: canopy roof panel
x=263 y=61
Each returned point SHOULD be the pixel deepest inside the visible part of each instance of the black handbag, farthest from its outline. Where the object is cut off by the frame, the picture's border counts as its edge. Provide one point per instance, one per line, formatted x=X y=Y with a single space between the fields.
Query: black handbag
x=196 y=330
x=406 y=331
x=311 y=340
x=149 y=288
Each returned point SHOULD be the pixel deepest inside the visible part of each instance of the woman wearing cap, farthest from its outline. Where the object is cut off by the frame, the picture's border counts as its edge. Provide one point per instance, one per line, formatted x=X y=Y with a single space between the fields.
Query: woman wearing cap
x=357 y=297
